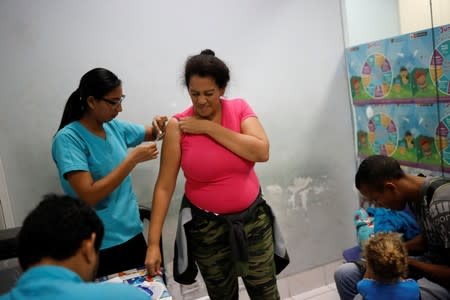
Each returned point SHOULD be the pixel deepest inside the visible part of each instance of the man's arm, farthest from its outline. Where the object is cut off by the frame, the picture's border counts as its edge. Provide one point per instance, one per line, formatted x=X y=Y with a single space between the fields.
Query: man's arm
x=437 y=273
x=439 y=218
x=416 y=245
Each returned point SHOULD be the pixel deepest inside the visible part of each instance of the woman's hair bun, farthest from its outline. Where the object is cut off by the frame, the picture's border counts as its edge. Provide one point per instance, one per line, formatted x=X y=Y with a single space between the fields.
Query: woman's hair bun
x=208 y=52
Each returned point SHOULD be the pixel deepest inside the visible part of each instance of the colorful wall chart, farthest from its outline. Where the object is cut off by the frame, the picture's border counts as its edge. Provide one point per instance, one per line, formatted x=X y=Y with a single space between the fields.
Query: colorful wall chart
x=401 y=94
x=411 y=133
x=402 y=69
x=440 y=67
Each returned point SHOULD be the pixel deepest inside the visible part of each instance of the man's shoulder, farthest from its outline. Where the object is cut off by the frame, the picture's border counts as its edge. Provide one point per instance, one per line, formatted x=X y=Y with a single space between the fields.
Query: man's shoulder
x=442 y=193
x=436 y=188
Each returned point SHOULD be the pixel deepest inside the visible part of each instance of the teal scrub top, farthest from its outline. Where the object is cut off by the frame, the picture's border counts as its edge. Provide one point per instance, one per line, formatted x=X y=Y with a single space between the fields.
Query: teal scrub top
x=75 y=148
x=53 y=282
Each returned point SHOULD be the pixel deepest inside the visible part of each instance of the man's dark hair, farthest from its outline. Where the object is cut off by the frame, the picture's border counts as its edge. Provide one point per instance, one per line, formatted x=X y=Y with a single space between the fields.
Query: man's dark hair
x=376 y=170
x=56 y=228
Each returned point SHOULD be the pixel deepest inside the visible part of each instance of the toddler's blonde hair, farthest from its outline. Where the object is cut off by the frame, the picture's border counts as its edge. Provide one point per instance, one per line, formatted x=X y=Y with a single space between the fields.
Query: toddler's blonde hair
x=387 y=257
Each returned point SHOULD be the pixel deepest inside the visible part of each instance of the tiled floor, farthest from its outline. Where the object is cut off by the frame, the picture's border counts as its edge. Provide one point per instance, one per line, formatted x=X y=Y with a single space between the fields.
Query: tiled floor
x=313 y=284
x=327 y=292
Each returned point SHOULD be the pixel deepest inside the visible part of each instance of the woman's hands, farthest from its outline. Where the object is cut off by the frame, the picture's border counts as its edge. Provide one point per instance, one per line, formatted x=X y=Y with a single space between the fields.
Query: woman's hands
x=251 y=143
x=153 y=260
x=194 y=125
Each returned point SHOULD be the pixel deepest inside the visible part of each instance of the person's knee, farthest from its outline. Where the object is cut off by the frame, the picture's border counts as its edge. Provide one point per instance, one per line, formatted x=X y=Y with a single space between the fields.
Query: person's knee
x=340 y=273
x=432 y=291
x=346 y=278
x=345 y=272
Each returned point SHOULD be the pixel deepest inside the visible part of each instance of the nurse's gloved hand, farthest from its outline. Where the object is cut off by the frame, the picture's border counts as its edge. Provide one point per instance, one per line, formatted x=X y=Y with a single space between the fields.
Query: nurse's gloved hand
x=144 y=152
x=160 y=124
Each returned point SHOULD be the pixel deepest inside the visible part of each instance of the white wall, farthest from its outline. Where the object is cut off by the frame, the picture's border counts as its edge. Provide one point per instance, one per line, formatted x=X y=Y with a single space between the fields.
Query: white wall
x=415 y=15
x=286 y=59
x=441 y=12
x=367 y=20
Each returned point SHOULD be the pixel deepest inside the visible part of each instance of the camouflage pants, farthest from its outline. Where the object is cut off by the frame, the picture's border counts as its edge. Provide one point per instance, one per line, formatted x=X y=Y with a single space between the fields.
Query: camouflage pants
x=209 y=244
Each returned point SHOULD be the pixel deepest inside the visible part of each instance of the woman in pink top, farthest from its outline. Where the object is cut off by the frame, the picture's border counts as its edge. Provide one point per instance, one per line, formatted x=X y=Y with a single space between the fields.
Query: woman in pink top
x=216 y=142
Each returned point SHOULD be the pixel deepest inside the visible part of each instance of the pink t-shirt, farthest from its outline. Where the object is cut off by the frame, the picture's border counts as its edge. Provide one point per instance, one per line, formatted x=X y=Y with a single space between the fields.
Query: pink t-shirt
x=217 y=180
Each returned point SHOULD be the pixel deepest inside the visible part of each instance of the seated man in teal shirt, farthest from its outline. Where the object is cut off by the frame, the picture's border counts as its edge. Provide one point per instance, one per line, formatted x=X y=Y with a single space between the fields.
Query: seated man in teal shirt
x=58 y=248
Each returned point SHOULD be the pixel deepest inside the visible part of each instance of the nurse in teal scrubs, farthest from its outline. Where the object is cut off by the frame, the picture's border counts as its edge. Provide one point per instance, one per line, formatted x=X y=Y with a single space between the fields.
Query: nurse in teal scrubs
x=91 y=153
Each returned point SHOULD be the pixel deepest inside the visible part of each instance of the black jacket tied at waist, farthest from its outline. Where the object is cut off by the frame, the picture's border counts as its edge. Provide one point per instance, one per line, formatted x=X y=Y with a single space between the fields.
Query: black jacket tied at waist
x=185 y=269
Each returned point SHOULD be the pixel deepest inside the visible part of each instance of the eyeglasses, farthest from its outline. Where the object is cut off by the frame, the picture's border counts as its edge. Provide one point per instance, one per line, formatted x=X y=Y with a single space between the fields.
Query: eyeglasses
x=114 y=102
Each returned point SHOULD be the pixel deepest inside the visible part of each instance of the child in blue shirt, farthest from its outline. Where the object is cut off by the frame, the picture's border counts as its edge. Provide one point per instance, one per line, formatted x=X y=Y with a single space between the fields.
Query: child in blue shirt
x=387 y=265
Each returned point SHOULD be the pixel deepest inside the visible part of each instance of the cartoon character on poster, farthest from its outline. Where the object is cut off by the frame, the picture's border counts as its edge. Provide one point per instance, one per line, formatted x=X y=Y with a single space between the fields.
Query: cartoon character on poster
x=402 y=84
x=362 y=140
x=406 y=120
x=355 y=86
x=427 y=152
x=403 y=61
x=361 y=121
x=422 y=85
